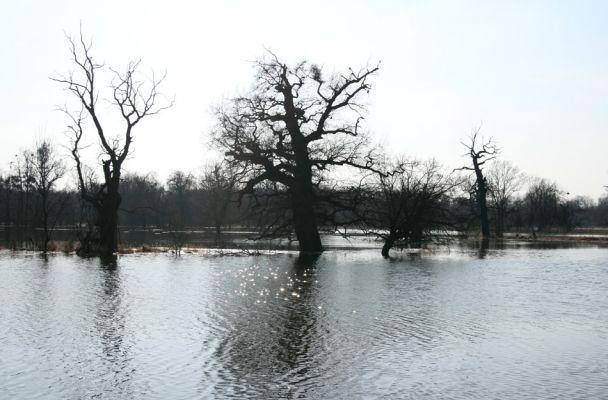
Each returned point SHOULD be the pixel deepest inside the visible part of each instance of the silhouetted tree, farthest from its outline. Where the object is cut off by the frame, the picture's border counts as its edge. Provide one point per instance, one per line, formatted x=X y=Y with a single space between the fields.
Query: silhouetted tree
x=134 y=100
x=219 y=184
x=293 y=126
x=602 y=211
x=5 y=196
x=180 y=186
x=87 y=213
x=406 y=202
x=504 y=180
x=542 y=202
x=479 y=157
x=579 y=211
x=20 y=183
x=47 y=170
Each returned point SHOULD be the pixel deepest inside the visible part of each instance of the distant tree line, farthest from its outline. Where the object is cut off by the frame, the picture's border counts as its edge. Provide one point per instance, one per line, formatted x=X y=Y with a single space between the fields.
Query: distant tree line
x=33 y=215
x=413 y=203
x=298 y=161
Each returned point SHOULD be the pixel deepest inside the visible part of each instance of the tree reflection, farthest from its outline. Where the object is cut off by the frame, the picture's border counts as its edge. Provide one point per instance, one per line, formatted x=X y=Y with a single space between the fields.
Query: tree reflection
x=110 y=326
x=300 y=320
x=109 y=262
x=274 y=341
x=483 y=248
x=44 y=258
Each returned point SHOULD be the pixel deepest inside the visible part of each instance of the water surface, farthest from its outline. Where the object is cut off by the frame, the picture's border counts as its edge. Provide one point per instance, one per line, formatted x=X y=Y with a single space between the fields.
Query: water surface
x=516 y=323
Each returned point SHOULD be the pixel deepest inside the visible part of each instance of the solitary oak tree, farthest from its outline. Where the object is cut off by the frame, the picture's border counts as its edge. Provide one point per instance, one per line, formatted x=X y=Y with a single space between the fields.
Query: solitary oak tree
x=134 y=99
x=293 y=127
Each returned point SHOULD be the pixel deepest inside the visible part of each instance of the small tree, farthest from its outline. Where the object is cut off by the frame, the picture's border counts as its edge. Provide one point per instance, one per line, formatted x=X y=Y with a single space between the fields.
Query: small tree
x=219 y=184
x=504 y=180
x=180 y=186
x=542 y=202
x=602 y=210
x=87 y=214
x=134 y=100
x=479 y=157
x=48 y=169
x=20 y=183
x=407 y=202
x=295 y=125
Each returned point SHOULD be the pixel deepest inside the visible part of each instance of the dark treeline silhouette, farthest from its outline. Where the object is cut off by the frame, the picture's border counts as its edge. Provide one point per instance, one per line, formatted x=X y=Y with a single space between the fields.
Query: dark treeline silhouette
x=30 y=197
x=182 y=202
x=298 y=162
x=416 y=202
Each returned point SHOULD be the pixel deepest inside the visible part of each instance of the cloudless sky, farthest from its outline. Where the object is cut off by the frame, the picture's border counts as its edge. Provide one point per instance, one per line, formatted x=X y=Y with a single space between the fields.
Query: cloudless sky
x=533 y=74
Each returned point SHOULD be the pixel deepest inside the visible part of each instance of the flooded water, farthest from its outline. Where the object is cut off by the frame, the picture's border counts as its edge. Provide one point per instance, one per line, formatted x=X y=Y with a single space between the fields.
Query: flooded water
x=512 y=323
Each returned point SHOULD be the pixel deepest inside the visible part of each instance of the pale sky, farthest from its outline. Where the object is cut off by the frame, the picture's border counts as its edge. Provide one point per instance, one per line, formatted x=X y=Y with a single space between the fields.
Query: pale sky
x=533 y=73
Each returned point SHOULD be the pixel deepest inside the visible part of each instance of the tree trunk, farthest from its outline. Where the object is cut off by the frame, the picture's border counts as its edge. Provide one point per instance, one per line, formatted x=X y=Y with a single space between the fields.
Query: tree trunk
x=45 y=222
x=107 y=223
x=484 y=246
x=385 y=248
x=482 y=191
x=500 y=222
x=47 y=234
x=304 y=222
x=389 y=242
x=483 y=214
x=218 y=233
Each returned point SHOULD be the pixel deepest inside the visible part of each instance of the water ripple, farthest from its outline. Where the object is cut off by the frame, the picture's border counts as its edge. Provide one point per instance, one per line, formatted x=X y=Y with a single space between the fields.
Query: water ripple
x=518 y=324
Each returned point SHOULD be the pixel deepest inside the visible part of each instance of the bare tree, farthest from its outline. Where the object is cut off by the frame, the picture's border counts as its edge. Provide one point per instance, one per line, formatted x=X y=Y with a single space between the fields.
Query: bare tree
x=134 y=100
x=219 y=182
x=406 y=202
x=542 y=201
x=602 y=210
x=293 y=127
x=479 y=157
x=179 y=187
x=21 y=183
x=87 y=213
x=504 y=180
x=48 y=169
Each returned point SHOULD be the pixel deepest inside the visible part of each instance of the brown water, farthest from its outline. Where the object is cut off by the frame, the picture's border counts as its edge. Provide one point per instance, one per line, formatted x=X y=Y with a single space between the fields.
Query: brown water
x=518 y=323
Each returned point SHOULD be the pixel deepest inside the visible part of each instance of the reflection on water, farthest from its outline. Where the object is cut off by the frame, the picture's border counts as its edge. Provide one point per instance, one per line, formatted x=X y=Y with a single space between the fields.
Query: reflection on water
x=272 y=338
x=109 y=322
x=466 y=322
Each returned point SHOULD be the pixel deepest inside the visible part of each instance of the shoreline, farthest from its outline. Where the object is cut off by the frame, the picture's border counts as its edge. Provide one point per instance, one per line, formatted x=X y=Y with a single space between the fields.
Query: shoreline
x=365 y=243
